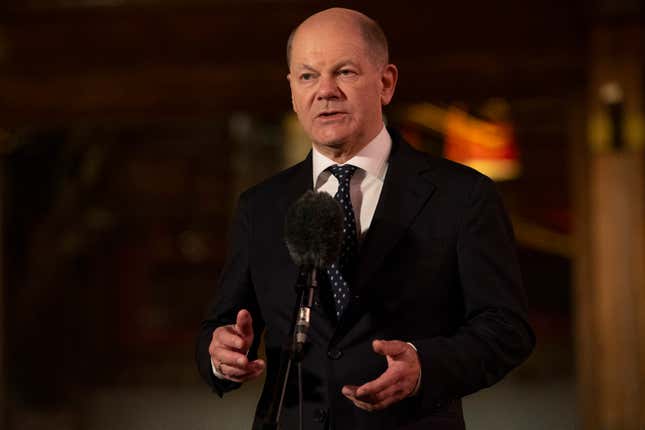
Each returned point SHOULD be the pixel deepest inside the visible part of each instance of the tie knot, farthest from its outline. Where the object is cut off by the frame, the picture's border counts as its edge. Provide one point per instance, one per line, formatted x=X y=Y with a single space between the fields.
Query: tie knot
x=342 y=173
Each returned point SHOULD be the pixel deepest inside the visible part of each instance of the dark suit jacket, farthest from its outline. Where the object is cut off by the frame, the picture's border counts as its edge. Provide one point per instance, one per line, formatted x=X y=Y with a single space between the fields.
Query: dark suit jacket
x=437 y=268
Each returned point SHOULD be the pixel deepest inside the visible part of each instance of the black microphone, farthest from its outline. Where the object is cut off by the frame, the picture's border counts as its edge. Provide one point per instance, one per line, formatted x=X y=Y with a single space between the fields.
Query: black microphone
x=314 y=230
x=313 y=234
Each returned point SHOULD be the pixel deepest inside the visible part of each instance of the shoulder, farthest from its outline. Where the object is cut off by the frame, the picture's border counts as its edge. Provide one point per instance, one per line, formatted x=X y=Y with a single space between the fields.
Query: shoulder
x=446 y=175
x=458 y=177
x=273 y=188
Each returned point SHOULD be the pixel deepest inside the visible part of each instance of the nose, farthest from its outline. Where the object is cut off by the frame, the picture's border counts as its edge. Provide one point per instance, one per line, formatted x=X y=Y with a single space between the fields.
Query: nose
x=328 y=88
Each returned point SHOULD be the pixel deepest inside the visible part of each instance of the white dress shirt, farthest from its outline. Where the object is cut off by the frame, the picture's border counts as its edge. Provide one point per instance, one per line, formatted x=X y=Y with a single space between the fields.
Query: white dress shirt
x=366 y=183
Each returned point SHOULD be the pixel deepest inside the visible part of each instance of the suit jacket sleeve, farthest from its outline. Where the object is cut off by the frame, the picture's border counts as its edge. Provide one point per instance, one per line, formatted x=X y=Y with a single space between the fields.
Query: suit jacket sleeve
x=495 y=336
x=235 y=292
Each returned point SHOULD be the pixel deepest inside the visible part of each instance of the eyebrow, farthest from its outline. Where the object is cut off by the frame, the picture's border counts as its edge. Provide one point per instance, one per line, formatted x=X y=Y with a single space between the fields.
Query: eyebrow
x=345 y=63
x=338 y=65
x=307 y=67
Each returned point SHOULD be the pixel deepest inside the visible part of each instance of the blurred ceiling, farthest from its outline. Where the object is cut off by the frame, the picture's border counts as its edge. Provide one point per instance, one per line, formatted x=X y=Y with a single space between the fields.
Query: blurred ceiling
x=63 y=60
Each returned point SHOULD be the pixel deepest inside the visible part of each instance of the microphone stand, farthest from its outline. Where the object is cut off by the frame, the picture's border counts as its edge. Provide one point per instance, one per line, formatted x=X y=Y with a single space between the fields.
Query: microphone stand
x=295 y=352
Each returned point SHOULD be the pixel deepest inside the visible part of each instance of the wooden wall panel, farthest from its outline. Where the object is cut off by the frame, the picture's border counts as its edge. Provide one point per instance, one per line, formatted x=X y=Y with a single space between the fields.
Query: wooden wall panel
x=165 y=60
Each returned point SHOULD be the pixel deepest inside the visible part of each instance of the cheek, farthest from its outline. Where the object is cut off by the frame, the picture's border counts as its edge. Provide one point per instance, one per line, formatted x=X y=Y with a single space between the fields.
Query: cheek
x=369 y=98
x=370 y=106
x=303 y=105
x=299 y=100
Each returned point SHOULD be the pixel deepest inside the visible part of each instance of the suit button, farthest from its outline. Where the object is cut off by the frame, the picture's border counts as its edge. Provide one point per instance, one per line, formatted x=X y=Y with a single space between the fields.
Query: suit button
x=320 y=415
x=334 y=354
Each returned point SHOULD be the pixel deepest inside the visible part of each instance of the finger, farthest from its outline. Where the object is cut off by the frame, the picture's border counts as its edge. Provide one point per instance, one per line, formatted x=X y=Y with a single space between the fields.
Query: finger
x=244 y=323
x=377 y=401
x=251 y=371
x=400 y=389
x=235 y=369
x=396 y=390
x=378 y=405
x=390 y=347
x=229 y=357
x=360 y=404
x=247 y=377
x=349 y=390
x=254 y=374
x=228 y=338
x=370 y=388
x=387 y=402
x=216 y=341
x=258 y=364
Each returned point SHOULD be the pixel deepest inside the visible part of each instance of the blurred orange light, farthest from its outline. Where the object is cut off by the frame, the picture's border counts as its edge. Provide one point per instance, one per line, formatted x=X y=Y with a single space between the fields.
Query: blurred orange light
x=486 y=146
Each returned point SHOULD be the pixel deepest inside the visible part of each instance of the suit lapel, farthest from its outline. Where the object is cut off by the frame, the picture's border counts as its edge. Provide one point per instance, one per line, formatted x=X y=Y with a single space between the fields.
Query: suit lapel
x=297 y=184
x=406 y=190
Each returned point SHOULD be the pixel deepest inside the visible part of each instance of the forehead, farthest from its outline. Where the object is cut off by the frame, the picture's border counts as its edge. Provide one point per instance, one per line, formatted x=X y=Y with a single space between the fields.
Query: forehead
x=328 y=43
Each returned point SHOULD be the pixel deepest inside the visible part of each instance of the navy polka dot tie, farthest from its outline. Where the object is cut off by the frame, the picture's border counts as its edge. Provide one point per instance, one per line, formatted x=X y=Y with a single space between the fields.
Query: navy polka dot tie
x=340 y=273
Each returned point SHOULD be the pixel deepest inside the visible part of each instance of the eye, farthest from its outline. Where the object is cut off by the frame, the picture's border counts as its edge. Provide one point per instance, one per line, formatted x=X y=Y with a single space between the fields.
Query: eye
x=306 y=76
x=346 y=72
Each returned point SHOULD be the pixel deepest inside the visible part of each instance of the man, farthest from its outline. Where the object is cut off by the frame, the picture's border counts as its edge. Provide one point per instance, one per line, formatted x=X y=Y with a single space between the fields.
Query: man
x=426 y=304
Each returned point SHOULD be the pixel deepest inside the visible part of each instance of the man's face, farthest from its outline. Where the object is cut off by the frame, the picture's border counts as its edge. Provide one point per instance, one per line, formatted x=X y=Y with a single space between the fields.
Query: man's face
x=336 y=89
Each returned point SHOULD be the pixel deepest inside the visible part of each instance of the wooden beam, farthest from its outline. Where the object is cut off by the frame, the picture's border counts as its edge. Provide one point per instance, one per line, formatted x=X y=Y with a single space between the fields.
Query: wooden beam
x=3 y=317
x=610 y=279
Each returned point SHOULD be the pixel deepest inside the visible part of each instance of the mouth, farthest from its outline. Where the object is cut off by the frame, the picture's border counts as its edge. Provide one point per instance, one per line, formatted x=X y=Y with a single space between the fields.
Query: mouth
x=332 y=114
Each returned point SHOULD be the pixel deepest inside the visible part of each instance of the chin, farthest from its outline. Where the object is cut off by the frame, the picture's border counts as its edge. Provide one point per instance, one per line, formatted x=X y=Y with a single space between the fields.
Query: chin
x=333 y=140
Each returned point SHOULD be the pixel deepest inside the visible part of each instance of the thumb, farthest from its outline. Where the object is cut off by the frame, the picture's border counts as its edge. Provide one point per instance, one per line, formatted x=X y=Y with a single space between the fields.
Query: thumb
x=388 y=347
x=244 y=323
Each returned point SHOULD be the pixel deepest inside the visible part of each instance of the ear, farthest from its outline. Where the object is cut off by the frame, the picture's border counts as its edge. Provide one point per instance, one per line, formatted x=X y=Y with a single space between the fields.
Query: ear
x=388 y=82
x=293 y=103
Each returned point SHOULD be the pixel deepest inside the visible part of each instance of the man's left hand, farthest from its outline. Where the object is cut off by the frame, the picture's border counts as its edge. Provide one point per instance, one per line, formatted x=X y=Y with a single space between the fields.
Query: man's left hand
x=395 y=384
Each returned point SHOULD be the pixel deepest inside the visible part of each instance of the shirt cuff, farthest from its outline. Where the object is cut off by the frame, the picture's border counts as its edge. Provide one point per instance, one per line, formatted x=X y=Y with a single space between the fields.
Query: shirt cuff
x=416 y=388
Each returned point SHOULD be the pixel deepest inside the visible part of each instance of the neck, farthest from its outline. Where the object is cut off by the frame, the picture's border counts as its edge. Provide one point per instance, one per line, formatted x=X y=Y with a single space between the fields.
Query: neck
x=341 y=152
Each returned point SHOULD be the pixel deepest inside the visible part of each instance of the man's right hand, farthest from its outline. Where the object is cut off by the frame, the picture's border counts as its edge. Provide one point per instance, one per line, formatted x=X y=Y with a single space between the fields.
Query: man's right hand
x=229 y=347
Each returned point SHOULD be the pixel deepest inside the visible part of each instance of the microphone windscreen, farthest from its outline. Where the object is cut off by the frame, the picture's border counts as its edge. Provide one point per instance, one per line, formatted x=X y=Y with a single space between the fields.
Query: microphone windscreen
x=313 y=230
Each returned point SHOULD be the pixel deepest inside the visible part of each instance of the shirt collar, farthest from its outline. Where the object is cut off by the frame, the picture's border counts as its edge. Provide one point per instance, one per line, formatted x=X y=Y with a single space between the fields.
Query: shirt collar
x=372 y=158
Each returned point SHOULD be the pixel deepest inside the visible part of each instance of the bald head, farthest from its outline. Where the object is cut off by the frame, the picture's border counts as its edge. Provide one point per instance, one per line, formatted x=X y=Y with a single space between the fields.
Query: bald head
x=371 y=32
x=340 y=79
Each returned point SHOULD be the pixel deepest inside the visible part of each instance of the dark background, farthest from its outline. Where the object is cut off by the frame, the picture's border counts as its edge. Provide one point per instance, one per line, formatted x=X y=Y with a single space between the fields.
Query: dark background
x=128 y=128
